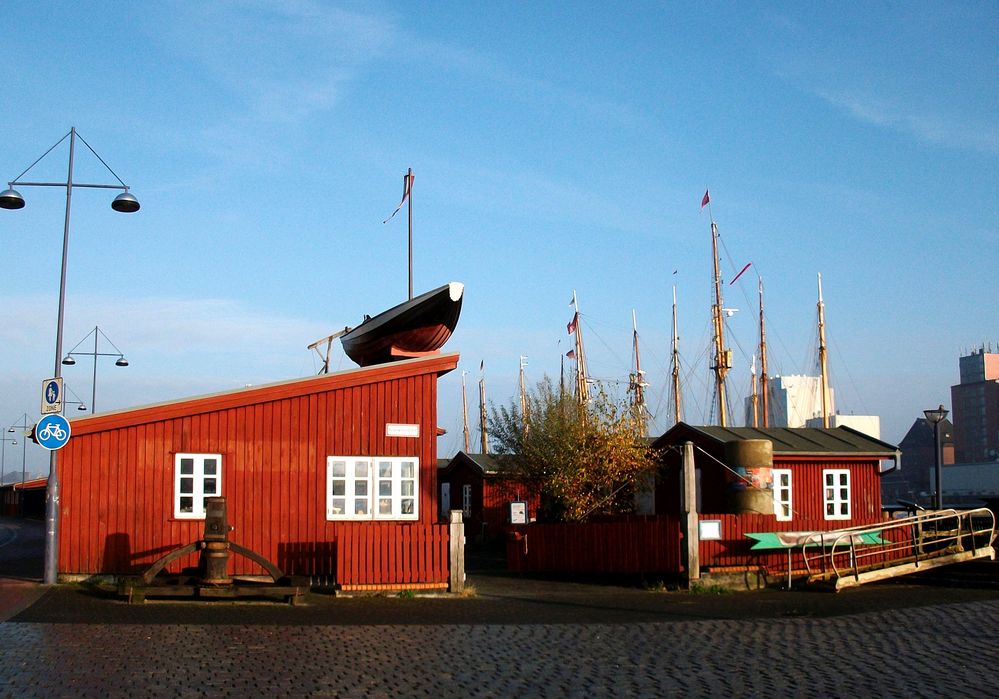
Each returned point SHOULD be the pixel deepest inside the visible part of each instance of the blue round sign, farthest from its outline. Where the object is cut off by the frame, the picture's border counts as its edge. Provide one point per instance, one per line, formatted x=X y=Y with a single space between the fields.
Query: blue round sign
x=52 y=432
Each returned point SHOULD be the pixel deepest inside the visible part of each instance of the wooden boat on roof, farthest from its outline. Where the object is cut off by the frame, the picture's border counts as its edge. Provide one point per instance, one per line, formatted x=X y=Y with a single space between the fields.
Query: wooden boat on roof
x=414 y=328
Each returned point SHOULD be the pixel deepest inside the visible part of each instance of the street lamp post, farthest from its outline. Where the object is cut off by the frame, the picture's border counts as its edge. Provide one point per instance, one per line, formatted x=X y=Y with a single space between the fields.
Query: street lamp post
x=69 y=361
x=936 y=416
x=3 y=462
x=12 y=199
x=24 y=474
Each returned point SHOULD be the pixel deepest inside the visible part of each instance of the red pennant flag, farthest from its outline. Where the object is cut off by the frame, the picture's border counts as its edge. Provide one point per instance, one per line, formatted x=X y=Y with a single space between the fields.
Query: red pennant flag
x=748 y=264
x=571 y=327
x=706 y=200
x=407 y=188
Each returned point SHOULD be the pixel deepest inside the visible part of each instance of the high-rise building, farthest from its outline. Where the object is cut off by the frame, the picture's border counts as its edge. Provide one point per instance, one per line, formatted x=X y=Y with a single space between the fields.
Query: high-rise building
x=793 y=400
x=975 y=407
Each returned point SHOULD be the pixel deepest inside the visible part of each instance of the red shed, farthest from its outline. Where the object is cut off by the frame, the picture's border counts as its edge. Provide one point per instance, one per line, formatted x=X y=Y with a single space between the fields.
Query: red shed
x=330 y=476
x=482 y=486
x=821 y=478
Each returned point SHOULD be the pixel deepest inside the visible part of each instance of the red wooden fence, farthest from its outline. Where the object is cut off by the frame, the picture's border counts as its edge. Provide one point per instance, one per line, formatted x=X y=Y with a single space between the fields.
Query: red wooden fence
x=416 y=556
x=635 y=545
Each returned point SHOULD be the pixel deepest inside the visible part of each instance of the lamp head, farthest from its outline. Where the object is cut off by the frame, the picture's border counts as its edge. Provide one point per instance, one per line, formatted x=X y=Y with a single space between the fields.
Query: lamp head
x=81 y=406
x=121 y=362
x=11 y=199
x=936 y=415
x=68 y=360
x=125 y=203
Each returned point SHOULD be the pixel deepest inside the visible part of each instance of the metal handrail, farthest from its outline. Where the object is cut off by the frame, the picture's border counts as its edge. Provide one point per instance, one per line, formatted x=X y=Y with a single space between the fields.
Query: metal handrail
x=843 y=542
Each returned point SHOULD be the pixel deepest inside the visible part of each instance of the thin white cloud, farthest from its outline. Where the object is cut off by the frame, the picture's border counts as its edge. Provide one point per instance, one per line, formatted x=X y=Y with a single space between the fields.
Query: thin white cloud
x=933 y=128
x=179 y=336
x=286 y=61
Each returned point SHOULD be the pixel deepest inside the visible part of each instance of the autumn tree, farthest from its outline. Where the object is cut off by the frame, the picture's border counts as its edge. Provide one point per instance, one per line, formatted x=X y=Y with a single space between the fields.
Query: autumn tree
x=584 y=459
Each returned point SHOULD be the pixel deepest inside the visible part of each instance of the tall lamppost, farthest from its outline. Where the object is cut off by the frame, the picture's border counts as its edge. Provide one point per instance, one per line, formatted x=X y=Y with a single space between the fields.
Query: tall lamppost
x=24 y=426
x=12 y=199
x=936 y=416
x=3 y=462
x=69 y=361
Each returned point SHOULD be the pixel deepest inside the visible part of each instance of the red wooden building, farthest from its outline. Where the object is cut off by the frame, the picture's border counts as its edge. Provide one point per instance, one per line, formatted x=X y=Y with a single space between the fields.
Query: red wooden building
x=482 y=486
x=330 y=476
x=24 y=499
x=820 y=478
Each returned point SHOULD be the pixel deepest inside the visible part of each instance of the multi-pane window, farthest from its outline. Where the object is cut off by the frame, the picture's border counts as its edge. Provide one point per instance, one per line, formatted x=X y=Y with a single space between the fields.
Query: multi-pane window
x=196 y=477
x=782 y=494
x=362 y=487
x=466 y=500
x=836 y=493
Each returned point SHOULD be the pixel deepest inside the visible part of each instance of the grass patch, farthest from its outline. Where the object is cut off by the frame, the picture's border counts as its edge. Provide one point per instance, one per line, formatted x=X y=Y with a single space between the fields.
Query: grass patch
x=708 y=589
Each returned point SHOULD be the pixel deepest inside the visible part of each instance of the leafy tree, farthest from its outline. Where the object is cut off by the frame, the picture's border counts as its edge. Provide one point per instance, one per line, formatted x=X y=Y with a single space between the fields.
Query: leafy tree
x=583 y=459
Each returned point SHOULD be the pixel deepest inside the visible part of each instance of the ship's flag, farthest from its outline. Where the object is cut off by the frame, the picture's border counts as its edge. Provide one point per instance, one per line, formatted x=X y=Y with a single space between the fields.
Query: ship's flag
x=571 y=354
x=571 y=327
x=736 y=278
x=706 y=199
x=407 y=188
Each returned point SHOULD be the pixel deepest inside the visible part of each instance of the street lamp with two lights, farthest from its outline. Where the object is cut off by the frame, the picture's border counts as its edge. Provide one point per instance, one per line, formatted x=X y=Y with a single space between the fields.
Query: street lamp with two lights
x=12 y=199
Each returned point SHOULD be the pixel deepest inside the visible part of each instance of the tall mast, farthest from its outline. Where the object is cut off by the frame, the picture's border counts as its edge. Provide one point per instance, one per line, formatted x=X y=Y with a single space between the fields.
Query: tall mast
x=483 y=431
x=677 y=415
x=755 y=399
x=408 y=187
x=637 y=383
x=823 y=365
x=764 y=378
x=523 y=395
x=464 y=410
x=723 y=356
x=582 y=385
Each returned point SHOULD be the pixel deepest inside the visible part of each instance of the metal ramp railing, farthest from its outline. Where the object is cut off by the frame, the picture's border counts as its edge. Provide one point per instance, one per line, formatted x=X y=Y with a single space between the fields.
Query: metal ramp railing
x=857 y=555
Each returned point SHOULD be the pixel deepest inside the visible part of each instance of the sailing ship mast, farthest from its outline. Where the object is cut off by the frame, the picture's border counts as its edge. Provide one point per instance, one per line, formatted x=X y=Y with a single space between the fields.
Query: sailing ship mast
x=407 y=195
x=723 y=356
x=823 y=363
x=464 y=410
x=523 y=396
x=754 y=395
x=483 y=431
x=764 y=377
x=582 y=383
x=676 y=366
x=637 y=383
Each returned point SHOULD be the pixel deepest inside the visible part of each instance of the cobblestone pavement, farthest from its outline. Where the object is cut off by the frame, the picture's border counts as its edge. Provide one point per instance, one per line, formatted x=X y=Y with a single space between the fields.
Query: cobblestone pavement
x=946 y=650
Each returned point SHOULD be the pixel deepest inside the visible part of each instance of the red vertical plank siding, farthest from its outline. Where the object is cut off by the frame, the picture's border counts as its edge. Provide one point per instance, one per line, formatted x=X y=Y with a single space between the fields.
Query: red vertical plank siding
x=118 y=477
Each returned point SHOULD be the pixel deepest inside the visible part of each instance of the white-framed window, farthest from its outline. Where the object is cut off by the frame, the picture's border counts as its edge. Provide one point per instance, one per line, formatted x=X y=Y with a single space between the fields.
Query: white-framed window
x=783 y=504
x=372 y=487
x=466 y=500
x=836 y=493
x=196 y=477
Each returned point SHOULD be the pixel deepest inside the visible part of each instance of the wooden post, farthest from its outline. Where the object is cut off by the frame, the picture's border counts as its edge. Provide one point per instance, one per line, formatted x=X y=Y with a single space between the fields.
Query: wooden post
x=457 y=545
x=690 y=533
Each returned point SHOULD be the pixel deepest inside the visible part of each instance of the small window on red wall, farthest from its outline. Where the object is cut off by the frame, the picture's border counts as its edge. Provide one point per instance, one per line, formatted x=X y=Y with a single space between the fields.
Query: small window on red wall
x=196 y=477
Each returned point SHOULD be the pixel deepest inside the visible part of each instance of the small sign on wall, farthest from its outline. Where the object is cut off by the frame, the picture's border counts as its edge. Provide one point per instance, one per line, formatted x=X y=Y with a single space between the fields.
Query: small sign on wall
x=518 y=512
x=393 y=429
x=709 y=529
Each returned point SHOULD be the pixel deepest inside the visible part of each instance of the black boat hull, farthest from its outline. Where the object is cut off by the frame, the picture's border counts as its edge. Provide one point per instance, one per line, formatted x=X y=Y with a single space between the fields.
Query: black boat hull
x=415 y=328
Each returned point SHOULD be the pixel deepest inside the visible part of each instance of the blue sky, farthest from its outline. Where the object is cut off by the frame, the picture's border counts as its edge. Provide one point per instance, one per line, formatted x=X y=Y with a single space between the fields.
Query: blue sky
x=556 y=147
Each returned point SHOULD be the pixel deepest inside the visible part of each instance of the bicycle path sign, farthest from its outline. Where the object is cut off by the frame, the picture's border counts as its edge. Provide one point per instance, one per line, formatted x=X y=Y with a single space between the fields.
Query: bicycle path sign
x=52 y=432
